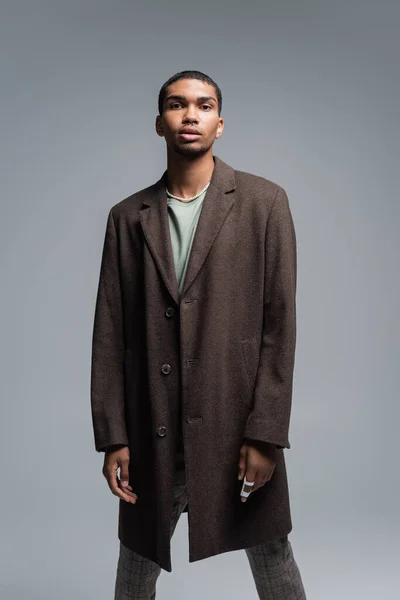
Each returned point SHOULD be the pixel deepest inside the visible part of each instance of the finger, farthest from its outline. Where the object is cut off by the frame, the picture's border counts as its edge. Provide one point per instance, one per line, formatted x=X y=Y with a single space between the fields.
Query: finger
x=130 y=491
x=267 y=475
x=242 y=464
x=121 y=493
x=117 y=491
x=111 y=477
x=258 y=482
x=265 y=478
x=127 y=491
x=123 y=464
x=263 y=481
x=123 y=481
x=250 y=477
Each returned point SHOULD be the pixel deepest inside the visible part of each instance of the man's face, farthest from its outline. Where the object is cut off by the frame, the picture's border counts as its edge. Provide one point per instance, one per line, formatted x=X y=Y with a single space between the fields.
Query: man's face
x=190 y=104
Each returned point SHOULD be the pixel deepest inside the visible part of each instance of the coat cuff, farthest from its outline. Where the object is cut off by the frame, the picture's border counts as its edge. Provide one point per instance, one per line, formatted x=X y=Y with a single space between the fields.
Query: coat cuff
x=258 y=429
x=102 y=445
x=262 y=443
x=112 y=447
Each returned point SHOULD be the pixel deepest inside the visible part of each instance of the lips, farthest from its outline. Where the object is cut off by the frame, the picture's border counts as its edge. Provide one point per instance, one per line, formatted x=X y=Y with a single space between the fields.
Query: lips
x=189 y=136
x=189 y=130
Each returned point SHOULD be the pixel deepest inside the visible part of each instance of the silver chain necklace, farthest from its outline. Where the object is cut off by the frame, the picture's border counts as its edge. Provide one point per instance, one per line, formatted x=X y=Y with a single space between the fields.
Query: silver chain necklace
x=187 y=199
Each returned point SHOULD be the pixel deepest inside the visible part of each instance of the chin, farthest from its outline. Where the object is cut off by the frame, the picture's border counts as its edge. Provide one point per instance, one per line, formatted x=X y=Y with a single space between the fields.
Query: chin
x=190 y=150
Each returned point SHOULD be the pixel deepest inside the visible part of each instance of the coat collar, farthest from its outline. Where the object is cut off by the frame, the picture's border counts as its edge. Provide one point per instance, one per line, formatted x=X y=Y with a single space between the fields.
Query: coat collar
x=154 y=220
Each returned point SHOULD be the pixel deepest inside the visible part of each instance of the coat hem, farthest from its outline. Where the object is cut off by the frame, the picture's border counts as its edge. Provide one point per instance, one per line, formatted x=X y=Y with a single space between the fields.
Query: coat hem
x=194 y=557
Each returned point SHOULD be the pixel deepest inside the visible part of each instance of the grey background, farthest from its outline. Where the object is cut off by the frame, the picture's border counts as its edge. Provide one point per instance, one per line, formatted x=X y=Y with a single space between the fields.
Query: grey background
x=311 y=101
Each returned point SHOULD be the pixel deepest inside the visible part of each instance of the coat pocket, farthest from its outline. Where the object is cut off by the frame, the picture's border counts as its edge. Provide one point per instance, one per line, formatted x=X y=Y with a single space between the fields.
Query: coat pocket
x=250 y=357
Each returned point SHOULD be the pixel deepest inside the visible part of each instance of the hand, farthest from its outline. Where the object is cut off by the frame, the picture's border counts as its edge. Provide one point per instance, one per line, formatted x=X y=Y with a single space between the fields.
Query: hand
x=257 y=463
x=113 y=460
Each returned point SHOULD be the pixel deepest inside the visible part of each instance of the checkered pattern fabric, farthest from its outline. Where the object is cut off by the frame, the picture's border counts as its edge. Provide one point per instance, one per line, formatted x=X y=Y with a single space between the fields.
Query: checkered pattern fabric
x=275 y=572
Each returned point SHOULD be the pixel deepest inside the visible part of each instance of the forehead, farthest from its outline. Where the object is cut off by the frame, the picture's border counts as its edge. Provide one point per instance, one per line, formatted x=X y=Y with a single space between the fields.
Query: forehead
x=191 y=88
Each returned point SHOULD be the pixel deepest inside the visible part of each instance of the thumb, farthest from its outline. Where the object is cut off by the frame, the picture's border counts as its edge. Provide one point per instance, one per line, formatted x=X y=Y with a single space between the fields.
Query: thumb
x=124 y=472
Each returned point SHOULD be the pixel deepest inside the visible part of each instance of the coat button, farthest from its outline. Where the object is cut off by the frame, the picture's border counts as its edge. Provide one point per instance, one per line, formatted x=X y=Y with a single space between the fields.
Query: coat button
x=166 y=369
x=170 y=312
x=161 y=431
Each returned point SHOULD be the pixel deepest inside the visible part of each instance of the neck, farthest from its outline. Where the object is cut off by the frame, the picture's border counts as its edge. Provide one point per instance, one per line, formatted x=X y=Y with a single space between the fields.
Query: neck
x=186 y=177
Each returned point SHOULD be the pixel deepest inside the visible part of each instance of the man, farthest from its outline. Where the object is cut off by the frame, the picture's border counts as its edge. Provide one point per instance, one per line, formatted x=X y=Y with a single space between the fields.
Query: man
x=193 y=355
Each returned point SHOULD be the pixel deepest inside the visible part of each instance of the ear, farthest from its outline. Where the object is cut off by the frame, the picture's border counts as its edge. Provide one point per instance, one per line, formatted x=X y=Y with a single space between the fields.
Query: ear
x=220 y=128
x=159 y=126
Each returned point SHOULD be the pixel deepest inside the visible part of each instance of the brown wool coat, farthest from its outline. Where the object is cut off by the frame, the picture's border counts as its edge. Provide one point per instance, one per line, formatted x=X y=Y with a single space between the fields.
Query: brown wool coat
x=229 y=343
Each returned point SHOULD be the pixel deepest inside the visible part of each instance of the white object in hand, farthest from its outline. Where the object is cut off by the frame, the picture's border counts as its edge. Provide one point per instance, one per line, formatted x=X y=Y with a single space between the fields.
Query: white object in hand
x=245 y=482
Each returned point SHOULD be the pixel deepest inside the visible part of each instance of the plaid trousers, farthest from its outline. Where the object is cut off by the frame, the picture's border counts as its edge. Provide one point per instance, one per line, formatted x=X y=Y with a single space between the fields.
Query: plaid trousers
x=274 y=569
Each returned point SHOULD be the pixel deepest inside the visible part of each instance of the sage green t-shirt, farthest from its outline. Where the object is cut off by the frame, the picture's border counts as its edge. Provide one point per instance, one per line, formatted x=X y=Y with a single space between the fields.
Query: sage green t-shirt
x=183 y=218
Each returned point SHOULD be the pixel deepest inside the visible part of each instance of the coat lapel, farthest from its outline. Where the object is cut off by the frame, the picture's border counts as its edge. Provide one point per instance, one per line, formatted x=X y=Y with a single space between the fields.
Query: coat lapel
x=154 y=220
x=216 y=205
x=155 y=224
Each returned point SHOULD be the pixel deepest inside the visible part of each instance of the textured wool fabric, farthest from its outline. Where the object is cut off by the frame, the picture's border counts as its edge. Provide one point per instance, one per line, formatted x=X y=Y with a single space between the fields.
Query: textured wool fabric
x=273 y=566
x=224 y=349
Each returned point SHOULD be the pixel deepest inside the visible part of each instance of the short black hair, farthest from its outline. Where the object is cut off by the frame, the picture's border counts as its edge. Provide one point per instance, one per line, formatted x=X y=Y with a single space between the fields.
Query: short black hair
x=188 y=75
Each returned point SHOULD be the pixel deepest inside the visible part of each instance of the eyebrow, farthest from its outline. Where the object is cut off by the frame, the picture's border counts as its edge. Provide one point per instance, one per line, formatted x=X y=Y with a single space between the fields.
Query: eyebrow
x=199 y=99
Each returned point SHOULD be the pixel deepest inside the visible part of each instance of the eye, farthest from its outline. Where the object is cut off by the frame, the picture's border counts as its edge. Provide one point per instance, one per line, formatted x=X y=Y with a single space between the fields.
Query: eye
x=175 y=104
x=207 y=106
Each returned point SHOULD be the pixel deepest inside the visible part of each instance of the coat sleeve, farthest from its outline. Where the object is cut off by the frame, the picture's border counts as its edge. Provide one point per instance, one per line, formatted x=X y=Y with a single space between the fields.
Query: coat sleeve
x=269 y=418
x=107 y=372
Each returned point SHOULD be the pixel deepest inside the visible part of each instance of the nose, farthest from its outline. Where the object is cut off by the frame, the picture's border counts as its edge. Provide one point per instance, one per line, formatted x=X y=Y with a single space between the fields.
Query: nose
x=190 y=116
